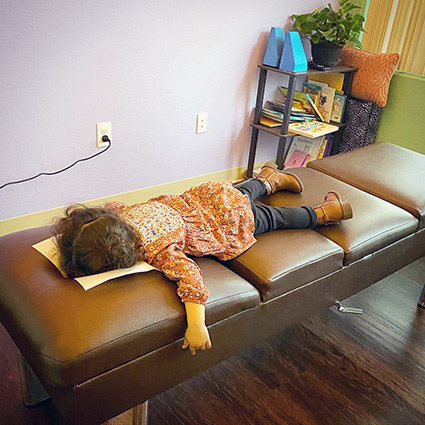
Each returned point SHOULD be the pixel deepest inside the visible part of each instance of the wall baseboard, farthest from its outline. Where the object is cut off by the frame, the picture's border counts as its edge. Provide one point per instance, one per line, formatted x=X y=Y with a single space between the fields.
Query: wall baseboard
x=43 y=218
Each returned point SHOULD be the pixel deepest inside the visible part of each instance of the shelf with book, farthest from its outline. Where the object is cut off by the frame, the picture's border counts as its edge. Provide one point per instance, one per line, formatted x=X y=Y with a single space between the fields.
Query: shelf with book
x=282 y=129
x=305 y=149
x=276 y=131
x=311 y=71
x=272 y=130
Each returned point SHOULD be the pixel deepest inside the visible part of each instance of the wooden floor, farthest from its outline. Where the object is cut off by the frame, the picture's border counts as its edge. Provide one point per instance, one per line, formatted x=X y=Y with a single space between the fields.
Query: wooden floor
x=334 y=368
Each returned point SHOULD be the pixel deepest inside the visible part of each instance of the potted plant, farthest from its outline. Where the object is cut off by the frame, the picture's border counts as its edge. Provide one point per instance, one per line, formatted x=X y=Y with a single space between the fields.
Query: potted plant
x=329 y=30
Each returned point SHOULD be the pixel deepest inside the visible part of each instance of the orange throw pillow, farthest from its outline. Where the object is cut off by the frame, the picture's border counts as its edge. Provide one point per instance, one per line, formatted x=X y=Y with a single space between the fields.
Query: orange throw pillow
x=372 y=80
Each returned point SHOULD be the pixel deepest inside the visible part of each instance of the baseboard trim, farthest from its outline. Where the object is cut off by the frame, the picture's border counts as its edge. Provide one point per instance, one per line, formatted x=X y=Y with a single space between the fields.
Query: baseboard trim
x=46 y=217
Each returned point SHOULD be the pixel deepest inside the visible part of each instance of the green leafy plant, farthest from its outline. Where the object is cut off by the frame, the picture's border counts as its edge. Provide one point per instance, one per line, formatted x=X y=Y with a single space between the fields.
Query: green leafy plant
x=329 y=26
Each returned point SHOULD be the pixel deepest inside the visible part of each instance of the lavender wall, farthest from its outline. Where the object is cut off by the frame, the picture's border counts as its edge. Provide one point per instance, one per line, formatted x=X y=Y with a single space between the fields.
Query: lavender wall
x=149 y=68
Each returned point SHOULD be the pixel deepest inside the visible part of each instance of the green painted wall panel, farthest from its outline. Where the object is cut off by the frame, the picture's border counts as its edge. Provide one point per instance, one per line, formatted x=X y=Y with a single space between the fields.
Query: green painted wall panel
x=403 y=118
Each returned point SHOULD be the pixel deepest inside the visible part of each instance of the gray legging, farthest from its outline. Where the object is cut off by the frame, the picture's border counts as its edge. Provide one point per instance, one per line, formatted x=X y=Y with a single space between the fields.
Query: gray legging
x=268 y=218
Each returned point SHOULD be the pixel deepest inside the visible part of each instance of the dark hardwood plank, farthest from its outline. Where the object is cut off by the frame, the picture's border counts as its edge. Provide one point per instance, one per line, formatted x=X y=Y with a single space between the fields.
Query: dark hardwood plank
x=333 y=368
x=12 y=409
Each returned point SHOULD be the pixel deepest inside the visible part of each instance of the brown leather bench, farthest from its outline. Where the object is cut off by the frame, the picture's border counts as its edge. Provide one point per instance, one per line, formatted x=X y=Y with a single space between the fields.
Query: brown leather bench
x=102 y=352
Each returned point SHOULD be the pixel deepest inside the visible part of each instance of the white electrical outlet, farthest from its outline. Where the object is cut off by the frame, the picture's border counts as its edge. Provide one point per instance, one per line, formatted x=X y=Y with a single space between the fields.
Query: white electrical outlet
x=103 y=129
x=201 y=122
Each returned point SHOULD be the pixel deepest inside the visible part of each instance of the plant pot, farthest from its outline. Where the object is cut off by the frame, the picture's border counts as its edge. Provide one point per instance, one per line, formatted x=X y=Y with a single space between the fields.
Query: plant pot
x=326 y=54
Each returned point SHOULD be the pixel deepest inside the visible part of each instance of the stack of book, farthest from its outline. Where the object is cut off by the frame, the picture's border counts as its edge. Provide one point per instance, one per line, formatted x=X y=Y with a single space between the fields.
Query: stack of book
x=303 y=109
x=326 y=92
x=298 y=113
x=322 y=99
x=305 y=149
x=272 y=115
x=303 y=104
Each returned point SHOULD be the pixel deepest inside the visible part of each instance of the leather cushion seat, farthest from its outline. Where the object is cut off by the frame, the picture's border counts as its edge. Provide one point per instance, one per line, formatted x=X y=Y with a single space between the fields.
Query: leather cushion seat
x=69 y=335
x=387 y=171
x=284 y=260
x=366 y=232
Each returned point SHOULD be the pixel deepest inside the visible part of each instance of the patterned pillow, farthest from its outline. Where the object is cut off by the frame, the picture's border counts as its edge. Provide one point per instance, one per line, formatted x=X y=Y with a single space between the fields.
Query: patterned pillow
x=362 y=124
x=372 y=80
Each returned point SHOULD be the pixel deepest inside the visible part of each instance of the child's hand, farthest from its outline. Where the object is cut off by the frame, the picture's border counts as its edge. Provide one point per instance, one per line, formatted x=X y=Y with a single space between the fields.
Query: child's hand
x=196 y=336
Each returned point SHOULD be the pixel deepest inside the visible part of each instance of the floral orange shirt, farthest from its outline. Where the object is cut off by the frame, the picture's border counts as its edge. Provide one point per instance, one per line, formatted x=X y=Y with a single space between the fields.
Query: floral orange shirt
x=211 y=219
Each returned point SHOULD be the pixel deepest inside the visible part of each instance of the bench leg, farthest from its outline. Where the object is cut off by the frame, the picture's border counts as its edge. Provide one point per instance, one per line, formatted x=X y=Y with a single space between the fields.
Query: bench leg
x=421 y=302
x=32 y=390
x=140 y=415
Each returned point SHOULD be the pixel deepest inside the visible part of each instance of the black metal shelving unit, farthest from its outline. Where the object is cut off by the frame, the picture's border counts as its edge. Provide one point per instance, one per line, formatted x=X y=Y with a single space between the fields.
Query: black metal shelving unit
x=282 y=131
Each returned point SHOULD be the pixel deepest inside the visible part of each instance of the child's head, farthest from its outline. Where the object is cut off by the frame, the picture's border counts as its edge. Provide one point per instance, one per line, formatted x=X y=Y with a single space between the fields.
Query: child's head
x=95 y=240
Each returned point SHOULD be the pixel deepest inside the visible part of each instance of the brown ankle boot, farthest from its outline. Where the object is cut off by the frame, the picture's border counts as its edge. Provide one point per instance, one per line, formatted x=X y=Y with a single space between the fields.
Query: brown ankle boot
x=275 y=179
x=333 y=210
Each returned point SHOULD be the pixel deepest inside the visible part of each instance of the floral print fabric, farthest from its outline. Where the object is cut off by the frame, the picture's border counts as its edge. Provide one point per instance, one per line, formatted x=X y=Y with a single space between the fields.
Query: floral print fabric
x=211 y=219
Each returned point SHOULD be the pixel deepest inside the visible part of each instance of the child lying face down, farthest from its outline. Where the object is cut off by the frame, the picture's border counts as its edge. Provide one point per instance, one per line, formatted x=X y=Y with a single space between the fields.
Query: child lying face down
x=214 y=218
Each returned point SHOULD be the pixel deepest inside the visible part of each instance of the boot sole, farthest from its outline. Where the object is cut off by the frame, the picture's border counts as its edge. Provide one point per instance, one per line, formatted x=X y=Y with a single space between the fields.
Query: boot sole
x=347 y=210
x=297 y=179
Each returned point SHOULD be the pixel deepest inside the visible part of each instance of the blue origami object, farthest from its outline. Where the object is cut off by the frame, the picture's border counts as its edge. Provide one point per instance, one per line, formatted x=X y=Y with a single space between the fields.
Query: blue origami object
x=274 y=47
x=293 y=56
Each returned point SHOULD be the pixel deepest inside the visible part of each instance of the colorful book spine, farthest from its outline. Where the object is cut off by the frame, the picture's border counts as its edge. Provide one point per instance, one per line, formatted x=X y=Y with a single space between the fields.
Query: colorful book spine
x=338 y=108
x=268 y=122
x=326 y=101
x=322 y=148
x=313 y=104
x=329 y=145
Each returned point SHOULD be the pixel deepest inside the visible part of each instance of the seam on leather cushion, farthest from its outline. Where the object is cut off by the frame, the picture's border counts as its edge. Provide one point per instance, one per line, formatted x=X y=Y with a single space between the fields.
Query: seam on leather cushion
x=377 y=237
x=366 y=189
x=289 y=270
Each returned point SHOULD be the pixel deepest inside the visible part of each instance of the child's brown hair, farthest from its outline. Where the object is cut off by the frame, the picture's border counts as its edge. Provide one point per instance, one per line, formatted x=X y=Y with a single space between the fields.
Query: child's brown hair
x=94 y=240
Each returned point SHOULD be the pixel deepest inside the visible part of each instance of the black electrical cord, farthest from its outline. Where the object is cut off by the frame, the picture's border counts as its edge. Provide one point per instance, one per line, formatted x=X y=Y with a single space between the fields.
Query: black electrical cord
x=104 y=139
